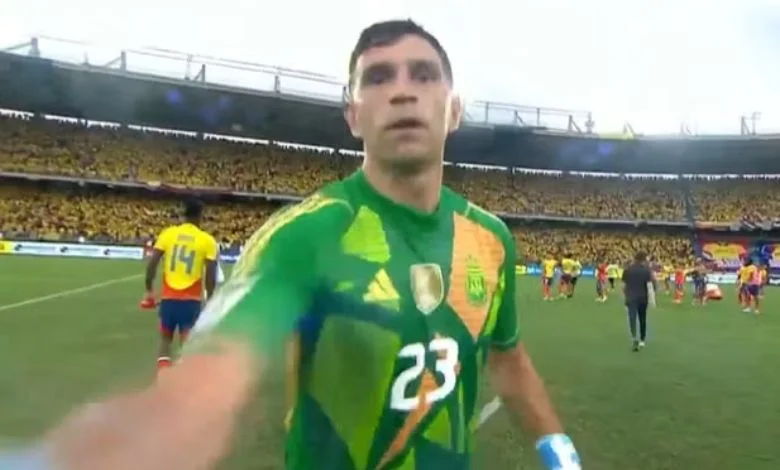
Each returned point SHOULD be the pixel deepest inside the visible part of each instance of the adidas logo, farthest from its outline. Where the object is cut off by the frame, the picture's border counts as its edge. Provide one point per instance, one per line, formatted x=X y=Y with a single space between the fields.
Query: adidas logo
x=381 y=291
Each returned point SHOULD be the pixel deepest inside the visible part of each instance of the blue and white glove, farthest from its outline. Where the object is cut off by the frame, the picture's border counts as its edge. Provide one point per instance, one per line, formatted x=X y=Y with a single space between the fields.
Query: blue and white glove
x=558 y=453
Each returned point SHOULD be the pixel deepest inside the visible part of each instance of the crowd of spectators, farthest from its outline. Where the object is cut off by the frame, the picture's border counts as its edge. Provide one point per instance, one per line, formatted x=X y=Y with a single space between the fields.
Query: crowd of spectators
x=134 y=155
x=52 y=147
x=72 y=214
x=69 y=215
x=737 y=200
x=592 y=245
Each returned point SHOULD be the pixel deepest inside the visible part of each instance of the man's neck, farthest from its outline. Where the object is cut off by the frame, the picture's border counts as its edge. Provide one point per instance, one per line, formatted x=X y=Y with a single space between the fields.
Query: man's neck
x=420 y=190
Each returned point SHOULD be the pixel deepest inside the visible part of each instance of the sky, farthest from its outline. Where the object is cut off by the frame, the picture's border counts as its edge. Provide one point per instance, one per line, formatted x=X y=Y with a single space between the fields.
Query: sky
x=654 y=64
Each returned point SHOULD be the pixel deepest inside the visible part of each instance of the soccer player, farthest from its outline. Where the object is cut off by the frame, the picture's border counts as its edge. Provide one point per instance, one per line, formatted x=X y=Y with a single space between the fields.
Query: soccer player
x=749 y=280
x=612 y=274
x=548 y=273
x=189 y=265
x=742 y=278
x=763 y=272
x=679 y=283
x=699 y=277
x=405 y=292
x=601 y=282
x=575 y=275
x=667 y=270
x=568 y=266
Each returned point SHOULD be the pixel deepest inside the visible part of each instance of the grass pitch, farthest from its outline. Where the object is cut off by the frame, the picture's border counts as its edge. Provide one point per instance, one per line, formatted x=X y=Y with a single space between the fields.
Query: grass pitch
x=705 y=394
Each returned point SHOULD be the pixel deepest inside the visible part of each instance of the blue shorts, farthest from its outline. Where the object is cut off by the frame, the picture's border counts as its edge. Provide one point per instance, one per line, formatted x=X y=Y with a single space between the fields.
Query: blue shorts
x=178 y=315
x=753 y=289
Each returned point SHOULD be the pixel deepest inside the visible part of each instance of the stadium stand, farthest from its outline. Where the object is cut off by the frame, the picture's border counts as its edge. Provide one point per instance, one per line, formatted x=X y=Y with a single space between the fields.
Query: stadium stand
x=591 y=245
x=34 y=212
x=58 y=148
x=730 y=200
x=68 y=214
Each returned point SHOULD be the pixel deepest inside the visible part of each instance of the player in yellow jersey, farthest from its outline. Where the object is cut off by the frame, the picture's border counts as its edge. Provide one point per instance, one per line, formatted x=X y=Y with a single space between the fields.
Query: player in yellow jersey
x=667 y=270
x=763 y=273
x=741 y=286
x=749 y=282
x=548 y=273
x=568 y=266
x=613 y=274
x=189 y=265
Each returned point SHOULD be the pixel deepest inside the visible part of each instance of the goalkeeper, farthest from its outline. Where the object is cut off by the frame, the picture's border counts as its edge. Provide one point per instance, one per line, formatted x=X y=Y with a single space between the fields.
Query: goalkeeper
x=403 y=296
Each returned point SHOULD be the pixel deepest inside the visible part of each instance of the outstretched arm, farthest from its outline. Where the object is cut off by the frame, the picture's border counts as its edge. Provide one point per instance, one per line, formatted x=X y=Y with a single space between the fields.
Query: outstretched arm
x=522 y=391
x=517 y=383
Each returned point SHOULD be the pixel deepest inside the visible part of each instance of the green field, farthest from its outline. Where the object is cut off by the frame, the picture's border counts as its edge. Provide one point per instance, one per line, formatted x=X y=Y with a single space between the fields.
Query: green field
x=704 y=394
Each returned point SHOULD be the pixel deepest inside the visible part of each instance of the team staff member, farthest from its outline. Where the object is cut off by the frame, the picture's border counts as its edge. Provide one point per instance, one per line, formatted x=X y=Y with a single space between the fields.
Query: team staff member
x=639 y=291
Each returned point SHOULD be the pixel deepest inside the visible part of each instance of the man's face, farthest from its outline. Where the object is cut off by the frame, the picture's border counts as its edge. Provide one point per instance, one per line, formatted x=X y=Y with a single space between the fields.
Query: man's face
x=402 y=105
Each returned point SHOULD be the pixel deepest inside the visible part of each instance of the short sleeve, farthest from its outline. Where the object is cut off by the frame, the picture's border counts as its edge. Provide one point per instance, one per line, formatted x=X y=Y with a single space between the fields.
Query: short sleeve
x=213 y=249
x=506 y=334
x=161 y=244
x=273 y=283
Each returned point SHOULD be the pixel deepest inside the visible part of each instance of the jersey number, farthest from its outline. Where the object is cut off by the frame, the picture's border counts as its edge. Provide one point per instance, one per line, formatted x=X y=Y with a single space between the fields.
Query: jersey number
x=184 y=256
x=447 y=351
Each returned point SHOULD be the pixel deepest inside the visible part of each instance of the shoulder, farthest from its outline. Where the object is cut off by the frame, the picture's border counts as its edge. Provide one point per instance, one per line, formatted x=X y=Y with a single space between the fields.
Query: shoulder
x=480 y=216
x=322 y=213
x=166 y=233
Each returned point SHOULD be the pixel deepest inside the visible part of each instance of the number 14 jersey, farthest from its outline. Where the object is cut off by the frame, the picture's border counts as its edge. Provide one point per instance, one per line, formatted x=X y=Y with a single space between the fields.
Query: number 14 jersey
x=394 y=312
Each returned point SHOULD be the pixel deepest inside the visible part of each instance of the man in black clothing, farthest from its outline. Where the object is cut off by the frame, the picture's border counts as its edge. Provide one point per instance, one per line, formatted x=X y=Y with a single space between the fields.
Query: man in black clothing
x=639 y=291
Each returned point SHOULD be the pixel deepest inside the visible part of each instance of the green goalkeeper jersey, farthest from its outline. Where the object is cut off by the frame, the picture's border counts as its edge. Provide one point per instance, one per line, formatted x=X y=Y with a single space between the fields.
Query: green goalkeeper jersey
x=395 y=311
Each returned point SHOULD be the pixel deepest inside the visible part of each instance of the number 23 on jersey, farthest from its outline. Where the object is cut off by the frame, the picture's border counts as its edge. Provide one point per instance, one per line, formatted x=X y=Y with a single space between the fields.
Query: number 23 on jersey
x=446 y=350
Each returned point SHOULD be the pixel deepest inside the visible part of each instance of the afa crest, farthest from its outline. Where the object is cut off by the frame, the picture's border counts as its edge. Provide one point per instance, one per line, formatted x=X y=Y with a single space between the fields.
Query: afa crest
x=427 y=286
x=476 y=291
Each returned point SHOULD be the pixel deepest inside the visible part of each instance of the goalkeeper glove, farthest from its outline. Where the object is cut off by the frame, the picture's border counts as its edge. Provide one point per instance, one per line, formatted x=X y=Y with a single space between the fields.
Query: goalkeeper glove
x=558 y=453
x=148 y=302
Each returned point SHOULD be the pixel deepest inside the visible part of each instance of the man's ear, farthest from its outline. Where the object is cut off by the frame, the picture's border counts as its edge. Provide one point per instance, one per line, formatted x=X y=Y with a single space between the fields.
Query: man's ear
x=350 y=115
x=456 y=113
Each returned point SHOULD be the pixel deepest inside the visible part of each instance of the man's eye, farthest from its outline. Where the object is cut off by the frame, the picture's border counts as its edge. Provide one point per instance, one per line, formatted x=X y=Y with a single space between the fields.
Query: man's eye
x=377 y=76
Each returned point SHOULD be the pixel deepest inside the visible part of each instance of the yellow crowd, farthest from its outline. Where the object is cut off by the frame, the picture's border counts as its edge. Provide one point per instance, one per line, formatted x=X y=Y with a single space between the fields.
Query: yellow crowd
x=59 y=214
x=113 y=154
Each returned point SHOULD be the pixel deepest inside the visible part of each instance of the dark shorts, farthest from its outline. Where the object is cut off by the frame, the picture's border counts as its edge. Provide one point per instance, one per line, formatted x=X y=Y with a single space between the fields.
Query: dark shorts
x=574 y=280
x=700 y=286
x=753 y=289
x=178 y=315
x=547 y=281
x=566 y=278
x=612 y=281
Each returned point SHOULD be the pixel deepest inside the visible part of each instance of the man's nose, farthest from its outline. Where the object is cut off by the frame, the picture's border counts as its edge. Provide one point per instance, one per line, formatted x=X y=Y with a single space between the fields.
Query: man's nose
x=403 y=91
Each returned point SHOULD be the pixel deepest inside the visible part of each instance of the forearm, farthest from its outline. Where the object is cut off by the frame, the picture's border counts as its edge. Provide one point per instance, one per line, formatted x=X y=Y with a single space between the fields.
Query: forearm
x=184 y=421
x=523 y=393
x=151 y=271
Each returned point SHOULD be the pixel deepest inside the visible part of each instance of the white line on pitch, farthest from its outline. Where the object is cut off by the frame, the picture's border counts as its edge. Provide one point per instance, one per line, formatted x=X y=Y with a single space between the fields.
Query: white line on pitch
x=488 y=410
x=69 y=292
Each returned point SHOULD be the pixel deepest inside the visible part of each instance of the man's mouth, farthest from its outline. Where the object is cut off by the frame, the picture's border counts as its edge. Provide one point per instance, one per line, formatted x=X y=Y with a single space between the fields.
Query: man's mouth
x=406 y=124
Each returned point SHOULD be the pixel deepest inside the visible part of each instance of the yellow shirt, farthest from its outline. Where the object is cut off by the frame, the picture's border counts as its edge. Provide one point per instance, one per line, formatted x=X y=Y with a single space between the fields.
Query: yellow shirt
x=548 y=266
x=612 y=271
x=577 y=268
x=746 y=274
x=568 y=265
x=186 y=249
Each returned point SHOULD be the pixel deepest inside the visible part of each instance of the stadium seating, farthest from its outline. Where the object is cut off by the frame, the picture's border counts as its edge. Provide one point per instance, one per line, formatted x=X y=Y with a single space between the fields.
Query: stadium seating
x=32 y=213
x=590 y=245
x=98 y=152
x=67 y=215
x=732 y=200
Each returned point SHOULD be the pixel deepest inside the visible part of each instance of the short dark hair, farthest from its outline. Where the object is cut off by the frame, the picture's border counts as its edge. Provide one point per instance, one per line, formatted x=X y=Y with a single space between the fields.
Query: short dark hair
x=640 y=257
x=386 y=33
x=193 y=209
